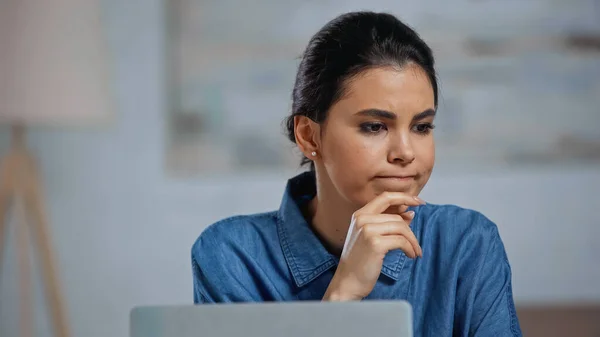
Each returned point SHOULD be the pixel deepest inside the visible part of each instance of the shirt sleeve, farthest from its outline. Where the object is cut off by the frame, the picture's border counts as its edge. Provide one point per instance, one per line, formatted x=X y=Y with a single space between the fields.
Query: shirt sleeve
x=487 y=307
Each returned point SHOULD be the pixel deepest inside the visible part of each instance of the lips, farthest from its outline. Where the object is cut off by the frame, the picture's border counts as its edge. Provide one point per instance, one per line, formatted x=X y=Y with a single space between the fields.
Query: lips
x=394 y=183
x=396 y=177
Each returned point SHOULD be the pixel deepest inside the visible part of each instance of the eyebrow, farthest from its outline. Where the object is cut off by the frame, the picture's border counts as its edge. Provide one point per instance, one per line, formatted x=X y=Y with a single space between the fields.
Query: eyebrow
x=392 y=116
x=424 y=114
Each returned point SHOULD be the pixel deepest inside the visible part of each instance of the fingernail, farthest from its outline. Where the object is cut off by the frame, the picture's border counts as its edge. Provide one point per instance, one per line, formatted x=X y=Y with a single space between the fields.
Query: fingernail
x=411 y=214
x=419 y=200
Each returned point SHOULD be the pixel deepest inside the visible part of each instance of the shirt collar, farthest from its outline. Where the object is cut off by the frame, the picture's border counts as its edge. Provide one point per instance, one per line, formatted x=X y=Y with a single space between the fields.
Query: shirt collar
x=304 y=253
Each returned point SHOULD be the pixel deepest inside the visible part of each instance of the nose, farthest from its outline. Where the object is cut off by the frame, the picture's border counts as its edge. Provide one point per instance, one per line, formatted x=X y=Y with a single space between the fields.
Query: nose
x=401 y=150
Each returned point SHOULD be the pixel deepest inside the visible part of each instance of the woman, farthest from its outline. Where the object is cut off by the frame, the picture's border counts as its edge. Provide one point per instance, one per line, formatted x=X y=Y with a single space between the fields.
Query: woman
x=353 y=227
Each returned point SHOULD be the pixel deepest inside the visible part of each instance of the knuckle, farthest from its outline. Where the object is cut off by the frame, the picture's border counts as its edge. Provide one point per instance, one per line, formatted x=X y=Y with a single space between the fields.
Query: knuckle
x=374 y=240
x=392 y=228
x=368 y=231
x=358 y=218
x=402 y=228
x=369 y=234
x=403 y=242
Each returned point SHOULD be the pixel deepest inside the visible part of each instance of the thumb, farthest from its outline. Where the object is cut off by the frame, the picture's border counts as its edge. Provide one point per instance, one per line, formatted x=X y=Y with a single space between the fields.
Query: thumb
x=408 y=216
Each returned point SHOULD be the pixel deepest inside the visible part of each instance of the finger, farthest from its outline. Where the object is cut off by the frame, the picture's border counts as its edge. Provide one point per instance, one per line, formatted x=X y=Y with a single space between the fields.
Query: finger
x=394 y=228
x=392 y=242
x=362 y=219
x=387 y=199
x=402 y=208
x=408 y=216
x=412 y=238
x=395 y=209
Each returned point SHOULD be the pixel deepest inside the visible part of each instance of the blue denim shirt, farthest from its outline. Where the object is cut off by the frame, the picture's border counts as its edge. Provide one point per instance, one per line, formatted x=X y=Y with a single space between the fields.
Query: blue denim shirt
x=460 y=287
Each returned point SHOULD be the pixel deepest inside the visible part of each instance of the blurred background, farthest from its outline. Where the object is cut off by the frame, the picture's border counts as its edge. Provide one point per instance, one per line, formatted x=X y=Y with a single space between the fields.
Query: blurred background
x=187 y=130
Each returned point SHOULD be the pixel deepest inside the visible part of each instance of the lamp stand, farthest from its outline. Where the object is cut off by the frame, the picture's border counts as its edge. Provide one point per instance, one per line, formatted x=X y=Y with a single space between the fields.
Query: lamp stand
x=20 y=187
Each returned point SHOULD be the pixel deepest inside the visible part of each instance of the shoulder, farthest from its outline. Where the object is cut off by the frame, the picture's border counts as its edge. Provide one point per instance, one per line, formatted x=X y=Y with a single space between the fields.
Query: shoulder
x=238 y=234
x=456 y=219
x=228 y=254
x=454 y=227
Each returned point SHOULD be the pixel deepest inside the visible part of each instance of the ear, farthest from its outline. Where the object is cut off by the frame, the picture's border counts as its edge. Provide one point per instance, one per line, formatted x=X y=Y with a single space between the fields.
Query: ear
x=307 y=134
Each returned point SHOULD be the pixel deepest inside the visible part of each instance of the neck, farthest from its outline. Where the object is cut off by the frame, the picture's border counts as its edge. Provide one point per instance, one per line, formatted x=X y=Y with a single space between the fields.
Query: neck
x=330 y=215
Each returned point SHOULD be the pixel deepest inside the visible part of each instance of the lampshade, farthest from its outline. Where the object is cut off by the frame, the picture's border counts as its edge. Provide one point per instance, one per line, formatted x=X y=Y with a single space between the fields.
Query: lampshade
x=53 y=63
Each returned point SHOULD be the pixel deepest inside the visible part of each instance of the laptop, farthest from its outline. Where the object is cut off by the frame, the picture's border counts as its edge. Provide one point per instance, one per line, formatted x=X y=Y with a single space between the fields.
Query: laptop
x=275 y=319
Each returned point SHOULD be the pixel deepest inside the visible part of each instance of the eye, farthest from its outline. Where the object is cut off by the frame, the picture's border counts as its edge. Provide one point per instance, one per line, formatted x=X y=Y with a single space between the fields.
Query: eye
x=372 y=128
x=423 y=128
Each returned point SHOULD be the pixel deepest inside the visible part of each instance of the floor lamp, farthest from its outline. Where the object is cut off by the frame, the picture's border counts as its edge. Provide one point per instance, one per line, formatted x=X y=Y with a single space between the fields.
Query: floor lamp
x=53 y=74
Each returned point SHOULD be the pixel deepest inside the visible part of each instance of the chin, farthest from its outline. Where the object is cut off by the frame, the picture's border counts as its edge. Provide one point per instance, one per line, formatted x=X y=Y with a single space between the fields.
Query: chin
x=368 y=194
x=362 y=197
x=408 y=188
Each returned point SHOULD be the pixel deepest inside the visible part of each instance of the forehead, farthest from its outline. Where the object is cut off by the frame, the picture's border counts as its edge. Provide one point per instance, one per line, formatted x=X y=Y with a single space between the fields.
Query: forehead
x=403 y=91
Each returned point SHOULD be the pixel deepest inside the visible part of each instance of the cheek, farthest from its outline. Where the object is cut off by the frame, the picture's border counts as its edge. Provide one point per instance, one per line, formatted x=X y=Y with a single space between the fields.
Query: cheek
x=353 y=155
x=348 y=161
x=426 y=155
x=426 y=159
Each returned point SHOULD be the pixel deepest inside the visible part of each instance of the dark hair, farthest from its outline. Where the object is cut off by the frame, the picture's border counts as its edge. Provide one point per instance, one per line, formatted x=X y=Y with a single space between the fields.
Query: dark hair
x=346 y=46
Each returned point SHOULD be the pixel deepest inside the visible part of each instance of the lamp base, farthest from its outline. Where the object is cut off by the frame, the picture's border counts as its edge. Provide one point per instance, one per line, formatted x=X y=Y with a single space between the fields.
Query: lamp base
x=20 y=187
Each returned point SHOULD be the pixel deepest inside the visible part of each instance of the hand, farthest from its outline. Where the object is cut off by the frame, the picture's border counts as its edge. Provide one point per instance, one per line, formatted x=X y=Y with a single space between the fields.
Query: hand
x=370 y=236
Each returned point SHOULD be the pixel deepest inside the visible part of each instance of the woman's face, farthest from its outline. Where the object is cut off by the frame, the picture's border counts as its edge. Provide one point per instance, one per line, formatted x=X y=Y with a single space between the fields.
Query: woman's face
x=379 y=137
